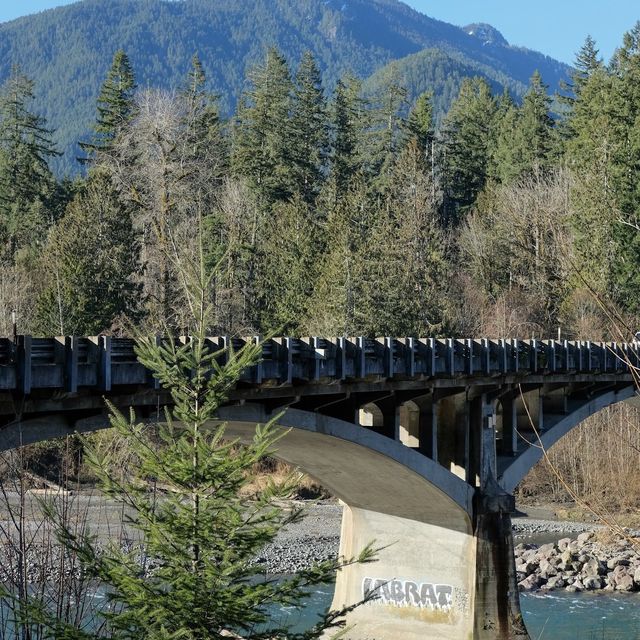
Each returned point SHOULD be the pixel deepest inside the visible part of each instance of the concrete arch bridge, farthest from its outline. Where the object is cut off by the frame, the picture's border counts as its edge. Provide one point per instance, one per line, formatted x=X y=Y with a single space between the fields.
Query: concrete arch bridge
x=424 y=440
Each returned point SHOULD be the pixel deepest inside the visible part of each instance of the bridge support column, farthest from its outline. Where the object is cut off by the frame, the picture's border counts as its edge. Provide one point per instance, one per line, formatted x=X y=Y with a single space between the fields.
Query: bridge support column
x=428 y=428
x=509 y=417
x=430 y=581
x=422 y=582
x=497 y=603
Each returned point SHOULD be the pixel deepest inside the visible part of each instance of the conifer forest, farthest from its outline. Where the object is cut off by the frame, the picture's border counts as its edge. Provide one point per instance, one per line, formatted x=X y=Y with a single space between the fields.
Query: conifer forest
x=329 y=208
x=325 y=212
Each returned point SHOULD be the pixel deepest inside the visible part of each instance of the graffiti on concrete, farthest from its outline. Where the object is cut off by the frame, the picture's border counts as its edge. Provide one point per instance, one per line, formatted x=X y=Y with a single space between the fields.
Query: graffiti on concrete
x=406 y=593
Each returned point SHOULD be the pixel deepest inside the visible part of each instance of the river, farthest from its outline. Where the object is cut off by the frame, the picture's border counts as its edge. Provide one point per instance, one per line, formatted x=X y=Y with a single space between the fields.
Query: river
x=554 y=616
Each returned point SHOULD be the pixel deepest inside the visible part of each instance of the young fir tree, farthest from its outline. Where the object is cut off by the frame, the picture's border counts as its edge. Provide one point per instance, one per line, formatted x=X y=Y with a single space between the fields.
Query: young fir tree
x=27 y=187
x=115 y=105
x=195 y=526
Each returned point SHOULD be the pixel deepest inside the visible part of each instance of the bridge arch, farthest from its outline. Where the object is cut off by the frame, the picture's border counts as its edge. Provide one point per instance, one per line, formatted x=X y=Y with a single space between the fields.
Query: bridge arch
x=418 y=513
x=359 y=466
x=515 y=471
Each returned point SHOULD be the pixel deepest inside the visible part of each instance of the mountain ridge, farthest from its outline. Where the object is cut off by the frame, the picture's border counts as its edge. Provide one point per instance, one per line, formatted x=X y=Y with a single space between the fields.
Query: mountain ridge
x=67 y=50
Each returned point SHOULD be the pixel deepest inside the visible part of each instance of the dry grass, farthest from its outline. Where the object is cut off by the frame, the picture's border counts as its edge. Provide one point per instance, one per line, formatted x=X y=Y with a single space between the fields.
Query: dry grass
x=272 y=470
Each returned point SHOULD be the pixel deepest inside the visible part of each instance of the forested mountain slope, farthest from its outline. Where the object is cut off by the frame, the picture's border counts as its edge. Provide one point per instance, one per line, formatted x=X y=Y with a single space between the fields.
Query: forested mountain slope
x=441 y=72
x=68 y=50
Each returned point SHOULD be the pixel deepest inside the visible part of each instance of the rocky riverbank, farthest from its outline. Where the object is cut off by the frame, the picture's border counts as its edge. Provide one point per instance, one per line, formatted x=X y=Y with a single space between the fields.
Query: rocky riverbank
x=582 y=564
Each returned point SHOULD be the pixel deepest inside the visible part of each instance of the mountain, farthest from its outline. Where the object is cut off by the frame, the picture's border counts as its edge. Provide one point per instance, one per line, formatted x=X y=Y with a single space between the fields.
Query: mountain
x=439 y=71
x=68 y=50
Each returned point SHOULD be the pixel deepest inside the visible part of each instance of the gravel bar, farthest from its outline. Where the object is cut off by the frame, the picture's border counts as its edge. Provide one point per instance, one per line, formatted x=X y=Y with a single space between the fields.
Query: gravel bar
x=317 y=537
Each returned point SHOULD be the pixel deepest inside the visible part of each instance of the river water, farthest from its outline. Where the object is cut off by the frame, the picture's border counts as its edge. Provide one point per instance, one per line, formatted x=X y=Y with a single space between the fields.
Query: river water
x=553 y=616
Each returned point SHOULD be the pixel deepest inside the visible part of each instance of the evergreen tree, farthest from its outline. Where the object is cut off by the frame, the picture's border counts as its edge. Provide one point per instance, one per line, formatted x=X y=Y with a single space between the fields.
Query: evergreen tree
x=589 y=152
x=507 y=162
x=309 y=130
x=419 y=125
x=587 y=62
x=336 y=305
x=382 y=137
x=27 y=187
x=204 y=138
x=525 y=136
x=262 y=142
x=404 y=281
x=290 y=254
x=537 y=126
x=467 y=137
x=348 y=124
x=115 y=105
x=626 y=168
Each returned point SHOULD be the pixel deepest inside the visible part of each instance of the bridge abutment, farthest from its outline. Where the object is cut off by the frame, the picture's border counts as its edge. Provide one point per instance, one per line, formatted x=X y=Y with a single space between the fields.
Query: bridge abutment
x=454 y=578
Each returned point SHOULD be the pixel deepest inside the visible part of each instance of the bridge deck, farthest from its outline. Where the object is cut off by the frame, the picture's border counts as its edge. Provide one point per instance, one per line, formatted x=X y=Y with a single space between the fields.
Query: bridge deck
x=323 y=365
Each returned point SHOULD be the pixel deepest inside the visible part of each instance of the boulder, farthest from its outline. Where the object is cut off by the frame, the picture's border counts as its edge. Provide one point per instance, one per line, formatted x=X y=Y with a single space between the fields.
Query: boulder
x=563 y=543
x=592 y=583
x=625 y=583
x=546 y=569
x=555 y=582
x=621 y=561
x=530 y=583
x=585 y=537
x=526 y=567
x=567 y=556
x=621 y=579
x=593 y=567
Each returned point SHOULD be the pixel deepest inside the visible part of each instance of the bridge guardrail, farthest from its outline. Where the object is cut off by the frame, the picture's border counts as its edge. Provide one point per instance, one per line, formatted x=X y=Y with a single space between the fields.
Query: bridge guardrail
x=72 y=362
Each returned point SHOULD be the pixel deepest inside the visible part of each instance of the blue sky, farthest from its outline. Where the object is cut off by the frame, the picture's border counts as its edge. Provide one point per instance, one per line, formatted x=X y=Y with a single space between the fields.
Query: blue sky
x=555 y=27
